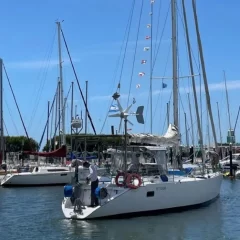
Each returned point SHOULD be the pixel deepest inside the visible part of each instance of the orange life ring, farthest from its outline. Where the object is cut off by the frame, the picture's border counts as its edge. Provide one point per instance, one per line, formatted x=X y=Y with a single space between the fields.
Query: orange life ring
x=120 y=174
x=130 y=177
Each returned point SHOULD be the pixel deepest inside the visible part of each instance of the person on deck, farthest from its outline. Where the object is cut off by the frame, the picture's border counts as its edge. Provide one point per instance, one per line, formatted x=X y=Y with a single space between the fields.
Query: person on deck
x=94 y=182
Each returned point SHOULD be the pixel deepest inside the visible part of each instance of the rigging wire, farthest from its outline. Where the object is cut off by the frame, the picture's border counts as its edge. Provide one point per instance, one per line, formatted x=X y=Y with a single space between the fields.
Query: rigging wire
x=158 y=23
x=40 y=143
x=85 y=104
x=135 y=51
x=128 y=33
x=5 y=127
x=15 y=101
x=44 y=72
x=10 y=113
x=117 y=66
x=61 y=113
x=160 y=40
x=164 y=74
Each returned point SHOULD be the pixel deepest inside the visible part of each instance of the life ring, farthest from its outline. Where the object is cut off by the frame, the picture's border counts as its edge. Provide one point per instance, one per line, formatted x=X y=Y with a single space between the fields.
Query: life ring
x=131 y=177
x=120 y=174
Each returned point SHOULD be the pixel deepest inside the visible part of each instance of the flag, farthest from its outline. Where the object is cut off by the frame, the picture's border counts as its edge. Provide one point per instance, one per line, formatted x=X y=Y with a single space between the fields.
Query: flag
x=164 y=85
x=152 y=1
x=113 y=108
x=141 y=74
x=129 y=129
x=150 y=13
x=148 y=25
x=148 y=37
x=146 y=49
x=143 y=61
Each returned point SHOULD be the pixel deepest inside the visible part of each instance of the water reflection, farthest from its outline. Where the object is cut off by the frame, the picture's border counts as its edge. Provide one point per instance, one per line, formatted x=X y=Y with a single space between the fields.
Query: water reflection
x=35 y=213
x=196 y=224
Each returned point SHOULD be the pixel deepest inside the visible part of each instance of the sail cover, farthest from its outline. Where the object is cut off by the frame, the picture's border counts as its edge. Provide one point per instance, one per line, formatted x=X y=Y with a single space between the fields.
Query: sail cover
x=61 y=152
x=171 y=137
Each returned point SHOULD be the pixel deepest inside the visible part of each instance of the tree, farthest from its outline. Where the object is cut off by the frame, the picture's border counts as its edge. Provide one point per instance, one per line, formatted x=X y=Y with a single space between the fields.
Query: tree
x=20 y=143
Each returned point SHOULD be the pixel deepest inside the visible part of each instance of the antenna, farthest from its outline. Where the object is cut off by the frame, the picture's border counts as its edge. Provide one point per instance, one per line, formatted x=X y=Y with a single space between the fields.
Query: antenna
x=123 y=114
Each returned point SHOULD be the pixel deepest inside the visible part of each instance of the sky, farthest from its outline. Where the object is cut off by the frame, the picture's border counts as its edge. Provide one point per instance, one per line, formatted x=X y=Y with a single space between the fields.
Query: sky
x=94 y=31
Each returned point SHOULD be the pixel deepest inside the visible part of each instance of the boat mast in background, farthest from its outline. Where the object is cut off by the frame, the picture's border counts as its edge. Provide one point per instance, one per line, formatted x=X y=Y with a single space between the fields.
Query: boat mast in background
x=86 y=116
x=61 y=92
x=229 y=117
x=174 y=66
x=1 y=111
x=204 y=75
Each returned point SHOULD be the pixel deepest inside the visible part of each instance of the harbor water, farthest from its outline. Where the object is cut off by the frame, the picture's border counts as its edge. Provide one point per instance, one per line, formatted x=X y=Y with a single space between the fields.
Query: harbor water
x=35 y=213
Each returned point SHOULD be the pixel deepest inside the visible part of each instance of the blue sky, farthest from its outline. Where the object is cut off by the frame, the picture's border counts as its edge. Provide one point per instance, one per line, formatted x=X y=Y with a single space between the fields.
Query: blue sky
x=95 y=31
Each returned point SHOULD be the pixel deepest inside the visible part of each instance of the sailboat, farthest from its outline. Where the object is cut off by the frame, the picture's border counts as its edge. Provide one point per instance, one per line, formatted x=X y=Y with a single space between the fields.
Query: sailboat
x=139 y=192
x=46 y=175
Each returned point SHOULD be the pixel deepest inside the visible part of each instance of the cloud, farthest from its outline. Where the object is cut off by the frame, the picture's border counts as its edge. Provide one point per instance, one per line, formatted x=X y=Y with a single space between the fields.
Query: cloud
x=36 y=64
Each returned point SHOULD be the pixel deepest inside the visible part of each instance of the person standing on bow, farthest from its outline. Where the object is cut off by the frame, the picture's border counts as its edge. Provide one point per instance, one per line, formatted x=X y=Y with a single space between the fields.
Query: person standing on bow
x=94 y=182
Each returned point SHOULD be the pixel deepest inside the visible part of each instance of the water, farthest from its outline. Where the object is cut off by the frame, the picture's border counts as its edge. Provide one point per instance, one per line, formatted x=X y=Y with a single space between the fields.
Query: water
x=35 y=213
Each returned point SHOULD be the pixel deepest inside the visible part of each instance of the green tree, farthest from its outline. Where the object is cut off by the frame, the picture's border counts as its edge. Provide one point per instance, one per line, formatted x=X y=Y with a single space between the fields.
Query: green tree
x=20 y=143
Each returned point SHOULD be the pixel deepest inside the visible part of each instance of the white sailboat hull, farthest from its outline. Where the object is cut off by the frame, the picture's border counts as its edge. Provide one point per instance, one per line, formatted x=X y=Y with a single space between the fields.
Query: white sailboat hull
x=37 y=179
x=167 y=196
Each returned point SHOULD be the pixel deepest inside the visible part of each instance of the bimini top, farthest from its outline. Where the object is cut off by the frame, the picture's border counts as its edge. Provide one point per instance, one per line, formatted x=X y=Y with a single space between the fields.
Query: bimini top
x=170 y=138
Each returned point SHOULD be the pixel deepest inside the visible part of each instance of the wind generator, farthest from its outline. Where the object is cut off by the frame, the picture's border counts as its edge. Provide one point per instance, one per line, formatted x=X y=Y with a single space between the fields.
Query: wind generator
x=123 y=114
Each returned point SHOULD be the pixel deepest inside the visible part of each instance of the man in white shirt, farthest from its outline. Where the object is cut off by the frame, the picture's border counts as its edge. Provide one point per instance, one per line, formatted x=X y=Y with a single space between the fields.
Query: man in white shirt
x=94 y=182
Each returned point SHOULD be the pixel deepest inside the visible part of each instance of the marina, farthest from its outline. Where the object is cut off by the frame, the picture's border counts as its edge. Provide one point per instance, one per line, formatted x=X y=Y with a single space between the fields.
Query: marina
x=146 y=151
x=220 y=220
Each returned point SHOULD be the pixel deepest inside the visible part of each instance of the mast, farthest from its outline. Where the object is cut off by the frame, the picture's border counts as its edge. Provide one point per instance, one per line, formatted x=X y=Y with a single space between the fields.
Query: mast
x=63 y=137
x=204 y=74
x=59 y=113
x=151 y=70
x=56 y=118
x=86 y=114
x=174 y=67
x=229 y=117
x=190 y=109
x=71 y=120
x=1 y=110
x=186 y=130
x=219 y=125
x=48 y=115
x=208 y=131
x=168 y=121
x=193 y=86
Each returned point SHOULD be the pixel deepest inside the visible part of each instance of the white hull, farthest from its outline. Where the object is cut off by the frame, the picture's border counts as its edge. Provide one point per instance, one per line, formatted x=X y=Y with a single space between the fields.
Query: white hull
x=37 y=179
x=184 y=192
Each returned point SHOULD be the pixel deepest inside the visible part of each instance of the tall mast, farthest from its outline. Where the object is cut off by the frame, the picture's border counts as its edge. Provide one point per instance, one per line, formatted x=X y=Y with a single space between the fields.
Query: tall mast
x=56 y=118
x=48 y=115
x=168 y=121
x=186 y=130
x=72 y=119
x=151 y=70
x=174 y=60
x=63 y=137
x=229 y=117
x=193 y=84
x=192 y=130
x=204 y=74
x=1 y=110
x=219 y=125
x=86 y=115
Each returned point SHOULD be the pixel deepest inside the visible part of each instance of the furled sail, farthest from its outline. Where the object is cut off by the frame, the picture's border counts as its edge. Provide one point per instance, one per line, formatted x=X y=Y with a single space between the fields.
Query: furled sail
x=170 y=138
x=61 y=152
